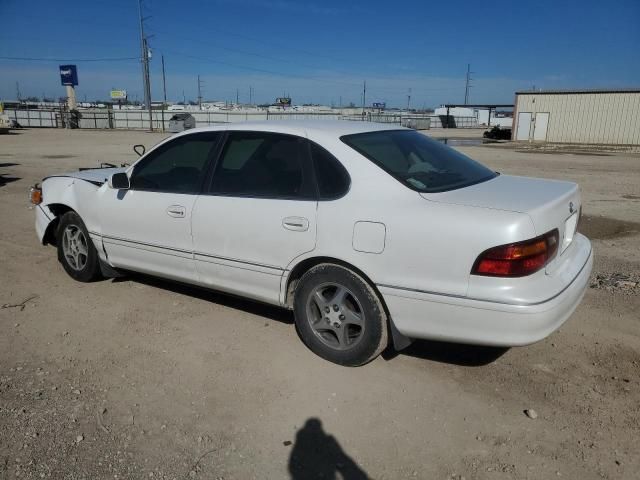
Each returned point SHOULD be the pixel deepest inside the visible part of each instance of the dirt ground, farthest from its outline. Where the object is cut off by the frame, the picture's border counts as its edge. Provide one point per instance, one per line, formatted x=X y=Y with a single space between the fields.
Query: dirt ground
x=140 y=378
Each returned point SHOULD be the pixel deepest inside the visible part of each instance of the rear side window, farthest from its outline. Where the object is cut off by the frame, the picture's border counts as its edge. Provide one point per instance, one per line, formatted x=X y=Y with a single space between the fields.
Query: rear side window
x=417 y=161
x=333 y=179
x=177 y=166
x=263 y=164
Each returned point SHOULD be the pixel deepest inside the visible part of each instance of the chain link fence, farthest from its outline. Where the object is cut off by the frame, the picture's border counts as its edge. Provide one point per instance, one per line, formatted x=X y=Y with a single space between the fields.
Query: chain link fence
x=139 y=119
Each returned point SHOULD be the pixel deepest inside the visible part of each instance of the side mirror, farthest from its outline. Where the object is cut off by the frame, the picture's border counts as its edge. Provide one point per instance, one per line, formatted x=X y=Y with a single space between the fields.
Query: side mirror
x=119 y=181
x=139 y=149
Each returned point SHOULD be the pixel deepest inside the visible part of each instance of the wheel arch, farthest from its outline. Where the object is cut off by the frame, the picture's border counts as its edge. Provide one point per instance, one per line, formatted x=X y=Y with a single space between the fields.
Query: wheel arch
x=58 y=210
x=296 y=273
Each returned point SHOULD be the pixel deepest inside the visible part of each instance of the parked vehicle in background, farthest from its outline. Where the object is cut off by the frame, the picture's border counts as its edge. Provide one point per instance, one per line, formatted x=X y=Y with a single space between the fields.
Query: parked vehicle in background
x=368 y=232
x=180 y=122
x=498 y=133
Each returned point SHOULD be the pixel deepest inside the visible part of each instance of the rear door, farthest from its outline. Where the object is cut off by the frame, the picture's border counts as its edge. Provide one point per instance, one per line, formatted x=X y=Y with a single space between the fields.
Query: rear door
x=257 y=215
x=147 y=228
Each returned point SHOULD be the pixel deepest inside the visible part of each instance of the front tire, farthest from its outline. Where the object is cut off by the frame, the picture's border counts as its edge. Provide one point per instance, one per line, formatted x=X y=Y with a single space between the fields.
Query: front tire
x=76 y=251
x=339 y=315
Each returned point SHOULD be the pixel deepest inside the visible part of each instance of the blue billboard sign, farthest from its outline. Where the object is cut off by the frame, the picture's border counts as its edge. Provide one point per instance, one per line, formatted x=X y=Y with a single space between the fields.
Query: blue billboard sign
x=381 y=105
x=68 y=75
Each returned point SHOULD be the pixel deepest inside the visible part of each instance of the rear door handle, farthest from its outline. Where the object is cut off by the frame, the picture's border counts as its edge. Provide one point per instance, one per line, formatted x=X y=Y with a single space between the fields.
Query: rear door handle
x=176 y=211
x=298 y=224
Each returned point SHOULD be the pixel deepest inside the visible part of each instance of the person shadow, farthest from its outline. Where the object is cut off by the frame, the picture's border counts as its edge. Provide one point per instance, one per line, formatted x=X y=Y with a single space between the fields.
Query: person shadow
x=317 y=455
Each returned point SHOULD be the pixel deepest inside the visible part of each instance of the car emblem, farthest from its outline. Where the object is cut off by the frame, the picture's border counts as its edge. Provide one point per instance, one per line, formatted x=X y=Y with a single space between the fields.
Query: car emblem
x=571 y=208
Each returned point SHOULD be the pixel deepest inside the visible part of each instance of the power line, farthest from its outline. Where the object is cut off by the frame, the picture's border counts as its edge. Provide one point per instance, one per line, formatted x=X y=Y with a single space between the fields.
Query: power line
x=42 y=59
x=285 y=45
x=254 y=69
x=288 y=60
x=293 y=75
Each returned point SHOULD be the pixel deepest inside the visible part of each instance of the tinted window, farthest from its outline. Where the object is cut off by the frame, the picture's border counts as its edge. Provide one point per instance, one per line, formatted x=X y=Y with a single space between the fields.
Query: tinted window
x=419 y=162
x=333 y=179
x=177 y=166
x=263 y=165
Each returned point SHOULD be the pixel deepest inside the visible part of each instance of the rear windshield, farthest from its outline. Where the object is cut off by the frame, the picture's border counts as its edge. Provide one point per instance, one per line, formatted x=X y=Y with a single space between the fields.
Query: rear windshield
x=422 y=164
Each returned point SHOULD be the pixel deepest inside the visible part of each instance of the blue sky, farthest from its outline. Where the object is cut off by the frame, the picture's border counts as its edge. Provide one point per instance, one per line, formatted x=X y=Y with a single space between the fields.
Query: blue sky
x=322 y=50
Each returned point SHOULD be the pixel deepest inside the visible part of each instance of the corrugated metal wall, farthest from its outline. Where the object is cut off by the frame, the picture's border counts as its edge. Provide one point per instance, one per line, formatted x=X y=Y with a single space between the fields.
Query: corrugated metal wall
x=611 y=118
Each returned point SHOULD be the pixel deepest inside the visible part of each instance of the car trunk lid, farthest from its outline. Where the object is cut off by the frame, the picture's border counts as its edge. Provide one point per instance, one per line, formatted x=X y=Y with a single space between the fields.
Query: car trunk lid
x=549 y=203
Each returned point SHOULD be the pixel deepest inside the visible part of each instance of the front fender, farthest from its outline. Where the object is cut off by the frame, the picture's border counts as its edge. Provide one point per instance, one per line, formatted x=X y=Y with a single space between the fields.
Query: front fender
x=46 y=223
x=62 y=194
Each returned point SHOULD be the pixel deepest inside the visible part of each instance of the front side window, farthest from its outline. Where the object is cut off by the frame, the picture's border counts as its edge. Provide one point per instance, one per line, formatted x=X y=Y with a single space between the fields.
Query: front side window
x=262 y=164
x=422 y=164
x=177 y=166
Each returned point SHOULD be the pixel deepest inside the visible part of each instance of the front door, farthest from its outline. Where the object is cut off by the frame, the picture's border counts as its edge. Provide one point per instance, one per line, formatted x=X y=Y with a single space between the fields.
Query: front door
x=258 y=214
x=147 y=228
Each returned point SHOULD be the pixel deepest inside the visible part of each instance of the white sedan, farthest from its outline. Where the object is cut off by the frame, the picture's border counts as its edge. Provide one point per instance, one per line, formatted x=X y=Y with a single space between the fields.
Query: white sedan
x=370 y=233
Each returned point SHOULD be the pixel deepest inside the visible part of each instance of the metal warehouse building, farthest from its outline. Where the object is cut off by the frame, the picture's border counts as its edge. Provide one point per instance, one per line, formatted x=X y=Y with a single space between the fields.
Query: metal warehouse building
x=605 y=117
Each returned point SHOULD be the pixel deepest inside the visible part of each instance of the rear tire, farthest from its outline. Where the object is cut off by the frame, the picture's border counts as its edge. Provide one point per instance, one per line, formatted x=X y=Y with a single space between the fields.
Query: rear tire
x=339 y=315
x=76 y=251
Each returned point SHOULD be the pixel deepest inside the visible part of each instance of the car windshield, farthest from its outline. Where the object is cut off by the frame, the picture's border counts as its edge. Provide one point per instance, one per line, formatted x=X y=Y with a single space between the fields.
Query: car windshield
x=421 y=163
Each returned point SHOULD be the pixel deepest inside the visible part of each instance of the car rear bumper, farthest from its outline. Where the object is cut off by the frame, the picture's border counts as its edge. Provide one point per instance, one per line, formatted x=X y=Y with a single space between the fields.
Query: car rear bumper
x=458 y=319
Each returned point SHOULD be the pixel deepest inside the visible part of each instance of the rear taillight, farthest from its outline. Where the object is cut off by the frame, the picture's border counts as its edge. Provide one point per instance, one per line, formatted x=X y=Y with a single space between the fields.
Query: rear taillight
x=517 y=259
x=36 y=194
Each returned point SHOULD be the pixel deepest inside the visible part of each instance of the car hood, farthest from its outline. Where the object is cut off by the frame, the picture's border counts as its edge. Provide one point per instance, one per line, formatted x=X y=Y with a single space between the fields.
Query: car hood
x=97 y=176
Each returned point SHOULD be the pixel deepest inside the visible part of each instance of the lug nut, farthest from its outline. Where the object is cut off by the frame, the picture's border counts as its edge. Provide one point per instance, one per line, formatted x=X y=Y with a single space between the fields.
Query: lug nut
x=341 y=317
x=336 y=308
x=327 y=309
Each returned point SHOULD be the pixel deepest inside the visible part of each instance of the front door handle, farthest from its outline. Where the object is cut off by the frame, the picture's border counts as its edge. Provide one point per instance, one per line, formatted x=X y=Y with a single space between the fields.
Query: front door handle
x=176 y=211
x=298 y=224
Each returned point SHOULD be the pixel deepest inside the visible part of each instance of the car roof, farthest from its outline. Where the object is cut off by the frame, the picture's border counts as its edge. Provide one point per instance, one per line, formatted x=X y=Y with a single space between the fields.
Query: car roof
x=335 y=128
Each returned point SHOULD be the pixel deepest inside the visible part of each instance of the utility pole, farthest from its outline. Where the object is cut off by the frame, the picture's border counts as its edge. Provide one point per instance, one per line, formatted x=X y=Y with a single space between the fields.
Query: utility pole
x=164 y=93
x=237 y=96
x=250 y=95
x=467 y=84
x=146 y=83
x=199 y=93
x=364 y=97
x=18 y=90
x=408 y=100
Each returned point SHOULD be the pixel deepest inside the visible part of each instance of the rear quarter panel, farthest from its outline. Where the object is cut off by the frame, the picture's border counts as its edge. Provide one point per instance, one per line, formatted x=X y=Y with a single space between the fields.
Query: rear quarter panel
x=429 y=246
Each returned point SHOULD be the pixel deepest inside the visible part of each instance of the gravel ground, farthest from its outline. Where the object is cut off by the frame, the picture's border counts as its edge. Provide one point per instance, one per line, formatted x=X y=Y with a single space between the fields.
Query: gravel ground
x=140 y=378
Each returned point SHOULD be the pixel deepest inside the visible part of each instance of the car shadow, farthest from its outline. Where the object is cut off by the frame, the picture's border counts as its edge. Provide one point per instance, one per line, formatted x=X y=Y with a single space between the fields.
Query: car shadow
x=8 y=164
x=250 y=306
x=5 y=180
x=316 y=454
x=451 y=353
x=442 y=352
